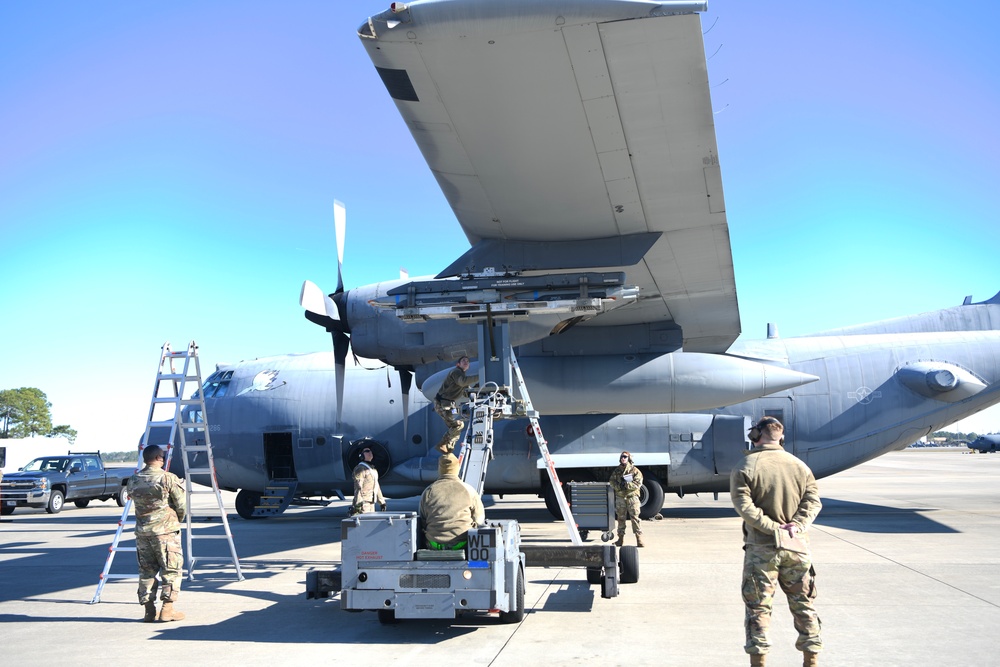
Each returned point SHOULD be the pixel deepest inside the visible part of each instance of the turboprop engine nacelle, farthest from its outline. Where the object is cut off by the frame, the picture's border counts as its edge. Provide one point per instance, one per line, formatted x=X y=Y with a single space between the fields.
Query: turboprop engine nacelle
x=638 y=384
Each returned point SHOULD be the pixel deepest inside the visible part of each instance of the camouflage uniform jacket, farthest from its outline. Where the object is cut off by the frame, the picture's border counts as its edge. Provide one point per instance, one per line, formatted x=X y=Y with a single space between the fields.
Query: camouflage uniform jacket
x=455 y=384
x=158 y=497
x=622 y=487
x=449 y=508
x=771 y=488
x=366 y=487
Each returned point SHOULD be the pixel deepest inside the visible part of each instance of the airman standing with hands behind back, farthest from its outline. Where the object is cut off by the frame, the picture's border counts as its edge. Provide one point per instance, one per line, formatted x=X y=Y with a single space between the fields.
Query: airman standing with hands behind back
x=777 y=496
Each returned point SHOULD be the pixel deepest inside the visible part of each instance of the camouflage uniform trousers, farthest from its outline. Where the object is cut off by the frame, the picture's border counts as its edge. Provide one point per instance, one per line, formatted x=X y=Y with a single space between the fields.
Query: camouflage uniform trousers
x=627 y=508
x=156 y=554
x=763 y=567
x=448 y=411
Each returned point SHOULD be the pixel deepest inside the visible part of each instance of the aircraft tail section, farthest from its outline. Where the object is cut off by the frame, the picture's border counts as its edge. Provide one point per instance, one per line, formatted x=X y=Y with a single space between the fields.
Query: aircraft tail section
x=981 y=316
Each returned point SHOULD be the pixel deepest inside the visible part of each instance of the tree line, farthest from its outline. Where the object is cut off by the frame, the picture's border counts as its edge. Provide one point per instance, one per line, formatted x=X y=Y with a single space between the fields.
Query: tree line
x=26 y=413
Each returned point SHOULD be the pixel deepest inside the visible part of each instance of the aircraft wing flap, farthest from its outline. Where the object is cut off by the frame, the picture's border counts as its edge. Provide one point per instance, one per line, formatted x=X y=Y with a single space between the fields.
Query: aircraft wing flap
x=586 y=123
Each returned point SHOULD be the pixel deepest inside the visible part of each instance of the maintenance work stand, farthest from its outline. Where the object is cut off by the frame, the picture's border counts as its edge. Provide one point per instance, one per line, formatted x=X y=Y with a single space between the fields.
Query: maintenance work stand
x=384 y=568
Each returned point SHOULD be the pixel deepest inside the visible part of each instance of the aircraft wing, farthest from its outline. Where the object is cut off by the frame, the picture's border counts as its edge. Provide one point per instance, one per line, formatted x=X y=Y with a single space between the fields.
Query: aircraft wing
x=574 y=121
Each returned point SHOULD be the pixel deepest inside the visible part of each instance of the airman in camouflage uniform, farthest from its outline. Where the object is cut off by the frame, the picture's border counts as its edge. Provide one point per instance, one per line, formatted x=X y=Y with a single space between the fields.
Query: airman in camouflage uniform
x=159 y=500
x=777 y=496
x=626 y=481
x=446 y=403
x=367 y=492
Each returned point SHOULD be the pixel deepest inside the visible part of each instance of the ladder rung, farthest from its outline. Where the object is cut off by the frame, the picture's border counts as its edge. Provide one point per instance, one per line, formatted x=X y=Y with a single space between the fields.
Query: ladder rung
x=176 y=376
x=161 y=424
x=123 y=549
x=199 y=471
x=209 y=537
x=121 y=576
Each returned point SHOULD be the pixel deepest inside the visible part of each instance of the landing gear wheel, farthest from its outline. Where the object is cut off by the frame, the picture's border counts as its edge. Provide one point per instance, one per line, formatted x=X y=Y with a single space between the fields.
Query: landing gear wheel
x=516 y=615
x=551 y=503
x=55 y=502
x=650 y=498
x=628 y=562
x=246 y=502
x=594 y=575
x=387 y=616
x=81 y=503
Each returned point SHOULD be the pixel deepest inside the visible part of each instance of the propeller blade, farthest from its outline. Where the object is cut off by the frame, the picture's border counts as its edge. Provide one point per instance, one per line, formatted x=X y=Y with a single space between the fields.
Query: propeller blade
x=315 y=301
x=341 y=344
x=340 y=225
x=405 y=382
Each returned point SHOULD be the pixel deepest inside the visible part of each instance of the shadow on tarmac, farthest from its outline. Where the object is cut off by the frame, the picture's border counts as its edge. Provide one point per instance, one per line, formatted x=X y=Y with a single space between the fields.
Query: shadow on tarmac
x=865 y=518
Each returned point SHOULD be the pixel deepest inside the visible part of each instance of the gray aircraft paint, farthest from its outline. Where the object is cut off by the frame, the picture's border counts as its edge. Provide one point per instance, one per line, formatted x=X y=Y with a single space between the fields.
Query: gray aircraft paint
x=857 y=410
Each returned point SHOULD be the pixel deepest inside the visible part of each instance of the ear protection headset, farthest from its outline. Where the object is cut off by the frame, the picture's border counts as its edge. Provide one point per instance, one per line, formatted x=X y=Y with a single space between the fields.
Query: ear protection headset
x=755 y=431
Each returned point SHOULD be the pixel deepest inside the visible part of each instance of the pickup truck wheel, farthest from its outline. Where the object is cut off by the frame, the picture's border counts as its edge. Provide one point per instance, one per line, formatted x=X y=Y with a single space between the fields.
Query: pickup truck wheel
x=81 y=503
x=122 y=497
x=6 y=510
x=55 y=502
x=516 y=615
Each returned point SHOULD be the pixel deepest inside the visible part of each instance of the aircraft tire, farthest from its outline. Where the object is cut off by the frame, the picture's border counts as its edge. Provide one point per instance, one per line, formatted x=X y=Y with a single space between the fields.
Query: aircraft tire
x=246 y=502
x=628 y=561
x=650 y=498
x=81 y=503
x=594 y=575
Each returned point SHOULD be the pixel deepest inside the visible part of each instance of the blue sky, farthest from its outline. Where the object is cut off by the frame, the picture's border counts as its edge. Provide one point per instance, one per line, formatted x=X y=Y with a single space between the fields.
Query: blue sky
x=167 y=172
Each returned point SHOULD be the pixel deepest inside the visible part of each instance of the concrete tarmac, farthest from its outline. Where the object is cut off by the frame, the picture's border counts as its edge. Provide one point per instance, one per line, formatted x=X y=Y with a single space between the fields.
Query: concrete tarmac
x=907 y=550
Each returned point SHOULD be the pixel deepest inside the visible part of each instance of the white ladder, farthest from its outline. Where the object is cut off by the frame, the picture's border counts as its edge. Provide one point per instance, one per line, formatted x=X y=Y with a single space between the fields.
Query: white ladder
x=492 y=402
x=171 y=386
x=543 y=447
x=197 y=455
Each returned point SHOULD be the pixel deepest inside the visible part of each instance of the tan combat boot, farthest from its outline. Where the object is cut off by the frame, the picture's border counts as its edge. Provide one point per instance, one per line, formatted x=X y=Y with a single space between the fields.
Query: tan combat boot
x=809 y=659
x=621 y=541
x=758 y=659
x=168 y=613
x=150 y=614
x=638 y=541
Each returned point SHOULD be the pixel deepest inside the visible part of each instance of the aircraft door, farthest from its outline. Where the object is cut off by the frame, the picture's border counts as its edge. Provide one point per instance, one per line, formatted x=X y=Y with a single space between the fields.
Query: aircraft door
x=782 y=410
x=279 y=461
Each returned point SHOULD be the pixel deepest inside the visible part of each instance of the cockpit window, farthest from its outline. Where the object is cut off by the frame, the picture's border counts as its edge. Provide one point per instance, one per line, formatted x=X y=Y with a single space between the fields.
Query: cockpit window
x=217 y=384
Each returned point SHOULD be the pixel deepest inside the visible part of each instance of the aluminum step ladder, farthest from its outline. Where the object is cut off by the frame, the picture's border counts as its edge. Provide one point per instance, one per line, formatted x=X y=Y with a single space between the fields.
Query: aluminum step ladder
x=169 y=425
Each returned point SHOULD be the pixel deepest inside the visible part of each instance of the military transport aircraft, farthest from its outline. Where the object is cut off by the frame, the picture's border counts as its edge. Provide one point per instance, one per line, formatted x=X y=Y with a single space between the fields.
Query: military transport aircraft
x=986 y=444
x=575 y=143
